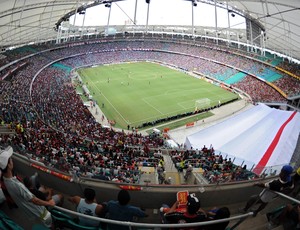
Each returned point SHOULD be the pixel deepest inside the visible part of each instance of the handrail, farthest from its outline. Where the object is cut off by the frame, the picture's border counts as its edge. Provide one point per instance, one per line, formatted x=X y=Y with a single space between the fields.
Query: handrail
x=286 y=197
x=241 y=218
x=132 y=224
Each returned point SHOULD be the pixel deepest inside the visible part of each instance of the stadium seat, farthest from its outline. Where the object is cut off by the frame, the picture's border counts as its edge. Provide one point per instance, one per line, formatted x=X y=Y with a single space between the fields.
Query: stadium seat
x=39 y=227
x=7 y=223
x=58 y=213
x=60 y=219
x=59 y=222
x=272 y=215
x=75 y=226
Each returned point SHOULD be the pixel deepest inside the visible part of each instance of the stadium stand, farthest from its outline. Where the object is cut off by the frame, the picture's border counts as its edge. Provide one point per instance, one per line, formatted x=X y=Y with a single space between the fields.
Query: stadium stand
x=44 y=122
x=48 y=106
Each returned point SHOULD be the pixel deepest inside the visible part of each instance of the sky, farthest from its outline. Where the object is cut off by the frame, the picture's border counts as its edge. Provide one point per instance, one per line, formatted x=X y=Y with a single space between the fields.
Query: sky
x=161 y=12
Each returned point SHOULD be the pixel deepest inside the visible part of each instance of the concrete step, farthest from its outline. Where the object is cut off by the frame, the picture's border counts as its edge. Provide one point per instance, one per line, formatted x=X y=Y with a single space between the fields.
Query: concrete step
x=169 y=165
x=4 y=129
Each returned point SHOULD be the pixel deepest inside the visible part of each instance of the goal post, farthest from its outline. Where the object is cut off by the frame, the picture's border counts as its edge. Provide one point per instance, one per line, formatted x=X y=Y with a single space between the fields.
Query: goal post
x=203 y=103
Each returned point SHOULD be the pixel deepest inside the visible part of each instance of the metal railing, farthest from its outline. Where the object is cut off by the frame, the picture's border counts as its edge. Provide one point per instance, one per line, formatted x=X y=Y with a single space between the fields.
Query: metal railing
x=287 y=197
x=241 y=218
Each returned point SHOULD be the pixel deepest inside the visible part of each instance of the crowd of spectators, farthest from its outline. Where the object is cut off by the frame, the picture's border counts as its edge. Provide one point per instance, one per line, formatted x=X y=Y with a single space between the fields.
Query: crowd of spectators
x=58 y=129
x=83 y=158
x=55 y=128
x=216 y=169
x=291 y=85
x=250 y=66
x=205 y=51
x=291 y=67
x=259 y=91
x=187 y=209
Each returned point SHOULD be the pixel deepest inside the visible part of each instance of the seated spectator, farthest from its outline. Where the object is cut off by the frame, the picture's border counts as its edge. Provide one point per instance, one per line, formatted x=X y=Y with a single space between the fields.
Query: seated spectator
x=87 y=206
x=42 y=192
x=283 y=183
x=288 y=216
x=23 y=198
x=217 y=214
x=168 y=181
x=190 y=214
x=122 y=211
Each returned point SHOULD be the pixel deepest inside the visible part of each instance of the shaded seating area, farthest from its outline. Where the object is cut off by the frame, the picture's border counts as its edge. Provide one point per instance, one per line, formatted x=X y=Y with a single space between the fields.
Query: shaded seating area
x=214 y=167
x=7 y=223
x=62 y=220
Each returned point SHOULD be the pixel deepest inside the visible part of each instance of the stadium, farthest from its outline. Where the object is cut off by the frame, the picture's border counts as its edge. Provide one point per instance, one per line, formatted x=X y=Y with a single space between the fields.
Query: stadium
x=151 y=105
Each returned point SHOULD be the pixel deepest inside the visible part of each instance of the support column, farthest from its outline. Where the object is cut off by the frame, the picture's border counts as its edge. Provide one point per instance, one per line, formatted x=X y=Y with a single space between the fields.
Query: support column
x=216 y=23
x=228 y=30
x=148 y=2
x=193 y=4
x=108 y=19
x=75 y=20
x=82 y=27
x=251 y=36
x=135 y=11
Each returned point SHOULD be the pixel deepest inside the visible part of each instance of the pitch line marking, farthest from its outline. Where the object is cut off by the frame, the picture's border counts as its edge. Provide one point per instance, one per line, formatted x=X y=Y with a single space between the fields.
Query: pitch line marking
x=152 y=106
x=110 y=103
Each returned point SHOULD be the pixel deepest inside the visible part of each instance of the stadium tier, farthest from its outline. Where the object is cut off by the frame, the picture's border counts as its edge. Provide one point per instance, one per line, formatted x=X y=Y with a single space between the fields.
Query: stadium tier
x=62 y=113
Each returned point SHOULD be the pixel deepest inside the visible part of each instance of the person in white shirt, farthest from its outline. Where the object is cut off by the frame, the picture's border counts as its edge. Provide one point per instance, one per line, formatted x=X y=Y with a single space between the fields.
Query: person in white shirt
x=21 y=195
x=87 y=206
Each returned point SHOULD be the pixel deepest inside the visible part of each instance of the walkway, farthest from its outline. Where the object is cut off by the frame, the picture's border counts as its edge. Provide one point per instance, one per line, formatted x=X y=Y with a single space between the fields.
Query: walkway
x=179 y=135
x=98 y=114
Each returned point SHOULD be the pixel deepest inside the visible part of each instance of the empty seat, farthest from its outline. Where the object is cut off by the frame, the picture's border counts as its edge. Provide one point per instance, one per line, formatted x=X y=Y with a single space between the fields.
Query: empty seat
x=60 y=219
x=75 y=226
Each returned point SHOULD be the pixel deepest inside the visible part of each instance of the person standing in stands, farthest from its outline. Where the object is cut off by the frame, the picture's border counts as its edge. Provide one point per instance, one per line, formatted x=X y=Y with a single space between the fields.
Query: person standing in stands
x=87 y=206
x=21 y=195
x=282 y=184
x=122 y=211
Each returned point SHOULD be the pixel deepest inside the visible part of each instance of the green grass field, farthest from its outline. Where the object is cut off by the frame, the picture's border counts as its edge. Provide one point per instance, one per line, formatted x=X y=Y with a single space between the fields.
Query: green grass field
x=135 y=93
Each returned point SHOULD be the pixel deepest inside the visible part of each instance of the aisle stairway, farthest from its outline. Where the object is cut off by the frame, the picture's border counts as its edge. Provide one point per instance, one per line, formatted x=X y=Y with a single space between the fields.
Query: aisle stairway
x=150 y=174
x=5 y=130
x=171 y=170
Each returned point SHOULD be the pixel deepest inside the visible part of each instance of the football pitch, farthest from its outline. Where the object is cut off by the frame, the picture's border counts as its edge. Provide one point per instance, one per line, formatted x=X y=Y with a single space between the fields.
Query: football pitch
x=140 y=92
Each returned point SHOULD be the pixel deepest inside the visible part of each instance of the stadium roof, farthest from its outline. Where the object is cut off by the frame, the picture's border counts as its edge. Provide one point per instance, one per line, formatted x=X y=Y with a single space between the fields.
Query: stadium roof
x=25 y=21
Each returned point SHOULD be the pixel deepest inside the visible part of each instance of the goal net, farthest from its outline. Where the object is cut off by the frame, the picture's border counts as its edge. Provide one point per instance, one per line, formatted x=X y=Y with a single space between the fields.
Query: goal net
x=203 y=103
